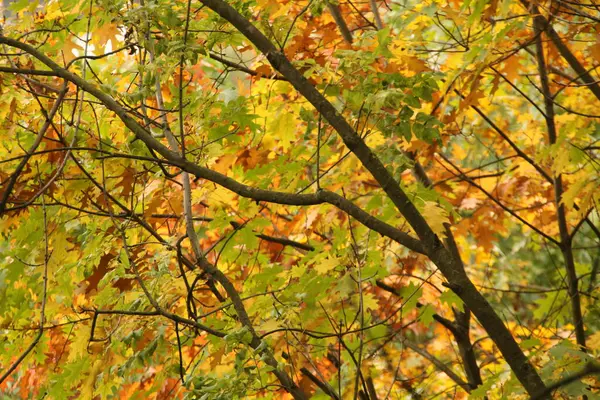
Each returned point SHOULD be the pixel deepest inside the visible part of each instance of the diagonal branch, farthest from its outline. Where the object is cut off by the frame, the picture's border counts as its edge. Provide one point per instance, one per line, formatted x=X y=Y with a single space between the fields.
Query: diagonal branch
x=438 y=363
x=15 y=175
x=565 y=238
x=565 y=52
x=220 y=179
x=350 y=137
x=21 y=71
x=430 y=242
x=446 y=261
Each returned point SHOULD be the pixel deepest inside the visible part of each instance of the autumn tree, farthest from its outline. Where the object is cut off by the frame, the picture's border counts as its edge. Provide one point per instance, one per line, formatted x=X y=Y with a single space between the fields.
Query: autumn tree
x=218 y=199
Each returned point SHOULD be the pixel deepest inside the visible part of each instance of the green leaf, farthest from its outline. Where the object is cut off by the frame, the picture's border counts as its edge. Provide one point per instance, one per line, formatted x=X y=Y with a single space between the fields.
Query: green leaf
x=481 y=391
x=426 y=314
x=452 y=299
x=410 y=296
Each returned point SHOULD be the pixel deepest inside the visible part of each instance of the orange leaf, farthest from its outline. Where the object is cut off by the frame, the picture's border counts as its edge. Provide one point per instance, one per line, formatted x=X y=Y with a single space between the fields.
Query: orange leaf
x=595 y=49
x=264 y=70
x=511 y=67
x=103 y=34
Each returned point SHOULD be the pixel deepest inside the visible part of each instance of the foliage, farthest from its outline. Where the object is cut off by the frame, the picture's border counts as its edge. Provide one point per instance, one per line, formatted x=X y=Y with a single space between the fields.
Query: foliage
x=294 y=199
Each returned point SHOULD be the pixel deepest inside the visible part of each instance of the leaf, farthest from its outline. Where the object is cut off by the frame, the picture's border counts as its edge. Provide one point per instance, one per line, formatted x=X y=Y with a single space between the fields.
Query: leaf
x=404 y=130
x=124 y=259
x=481 y=391
x=530 y=343
x=410 y=296
x=370 y=302
x=469 y=203
x=436 y=217
x=551 y=303
x=325 y=265
x=593 y=341
x=574 y=190
x=269 y=325
x=511 y=67
x=103 y=34
x=71 y=49
x=452 y=300
x=426 y=314
x=264 y=70
x=283 y=126
x=248 y=237
x=78 y=347
x=595 y=49
x=20 y=5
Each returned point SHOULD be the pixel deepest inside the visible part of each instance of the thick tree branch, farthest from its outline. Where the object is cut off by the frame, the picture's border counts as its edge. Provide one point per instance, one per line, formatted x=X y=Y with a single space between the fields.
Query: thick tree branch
x=565 y=237
x=27 y=71
x=541 y=22
x=334 y=9
x=448 y=265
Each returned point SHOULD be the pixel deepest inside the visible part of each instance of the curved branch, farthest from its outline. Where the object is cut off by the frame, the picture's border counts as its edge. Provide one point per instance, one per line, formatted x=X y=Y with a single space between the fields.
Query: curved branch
x=205 y=173
x=446 y=261
x=589 y=369
x=13 y=179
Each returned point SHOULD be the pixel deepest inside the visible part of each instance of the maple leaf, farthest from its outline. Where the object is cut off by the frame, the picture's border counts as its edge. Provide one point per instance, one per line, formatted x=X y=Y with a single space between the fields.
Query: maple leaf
x=283 y=126
x=472 y=98
x=263 y=70
x=105 y=33
x=71 y=49
x=511 y=67
x=436 y=217
x=327 y=264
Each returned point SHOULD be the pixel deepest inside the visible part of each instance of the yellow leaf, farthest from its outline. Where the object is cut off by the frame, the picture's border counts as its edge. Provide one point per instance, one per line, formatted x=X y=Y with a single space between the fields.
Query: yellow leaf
x=60 y=252
x=79 y=345
x=561 y=162
x=102 y=35
x=283 y=10
x=269 y=325
x=593 y=341
x=268 y=5
x=326 y=265
x=223 y=195
x=436 y=216
x=568 y=197
x=370 y=302
x=402 y=58
x=284 y=128
x=297 y=271
x=88 y=386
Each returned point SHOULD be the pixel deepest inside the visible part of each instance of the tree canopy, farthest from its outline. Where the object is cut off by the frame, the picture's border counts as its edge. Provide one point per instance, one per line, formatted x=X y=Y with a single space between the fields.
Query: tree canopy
x=277 y=199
